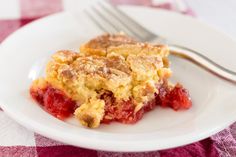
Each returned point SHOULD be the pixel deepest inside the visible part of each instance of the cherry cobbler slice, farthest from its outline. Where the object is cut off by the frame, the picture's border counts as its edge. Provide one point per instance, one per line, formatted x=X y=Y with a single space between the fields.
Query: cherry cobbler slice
x=113 y=78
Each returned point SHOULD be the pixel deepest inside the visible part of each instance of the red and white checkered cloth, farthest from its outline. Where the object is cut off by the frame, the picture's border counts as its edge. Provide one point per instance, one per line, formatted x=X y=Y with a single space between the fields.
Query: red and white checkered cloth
x=17 y=141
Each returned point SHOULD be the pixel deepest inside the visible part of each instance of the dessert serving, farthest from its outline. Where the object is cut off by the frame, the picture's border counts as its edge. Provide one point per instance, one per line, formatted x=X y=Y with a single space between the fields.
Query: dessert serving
x=112 y=78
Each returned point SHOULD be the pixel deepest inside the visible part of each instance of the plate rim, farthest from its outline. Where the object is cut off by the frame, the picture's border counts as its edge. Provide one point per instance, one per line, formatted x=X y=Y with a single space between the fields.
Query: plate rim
x=98 y=145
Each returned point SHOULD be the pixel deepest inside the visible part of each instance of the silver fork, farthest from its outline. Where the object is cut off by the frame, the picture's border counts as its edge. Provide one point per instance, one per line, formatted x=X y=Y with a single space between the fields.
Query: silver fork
x=112 y=20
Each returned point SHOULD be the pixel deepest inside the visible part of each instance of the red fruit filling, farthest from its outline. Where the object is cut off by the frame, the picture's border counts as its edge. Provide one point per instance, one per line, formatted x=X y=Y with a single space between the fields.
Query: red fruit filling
x=124 y=111
x=176 y=98
x=54 y=101
x=61 y=106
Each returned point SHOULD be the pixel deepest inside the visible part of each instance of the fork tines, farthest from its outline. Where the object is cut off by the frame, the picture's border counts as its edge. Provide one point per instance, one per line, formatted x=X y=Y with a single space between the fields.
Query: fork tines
x=111 y=19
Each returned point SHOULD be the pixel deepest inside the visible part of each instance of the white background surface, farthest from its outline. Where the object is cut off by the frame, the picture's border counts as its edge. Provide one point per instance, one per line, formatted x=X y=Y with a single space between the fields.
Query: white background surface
x=219 y=13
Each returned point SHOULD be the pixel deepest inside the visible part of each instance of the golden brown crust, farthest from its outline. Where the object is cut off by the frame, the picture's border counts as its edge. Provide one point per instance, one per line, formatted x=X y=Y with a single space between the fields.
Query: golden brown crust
x=139 y=48
x=99 y=45
x=114 y=63
x=91 y=113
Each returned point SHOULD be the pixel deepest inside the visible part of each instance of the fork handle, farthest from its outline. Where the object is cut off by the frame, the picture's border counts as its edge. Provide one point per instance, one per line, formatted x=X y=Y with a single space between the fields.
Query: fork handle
x=203 y=62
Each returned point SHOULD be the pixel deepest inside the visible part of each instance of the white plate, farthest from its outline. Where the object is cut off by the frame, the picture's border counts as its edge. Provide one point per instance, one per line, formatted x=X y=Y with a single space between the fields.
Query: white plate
x=24 y=54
